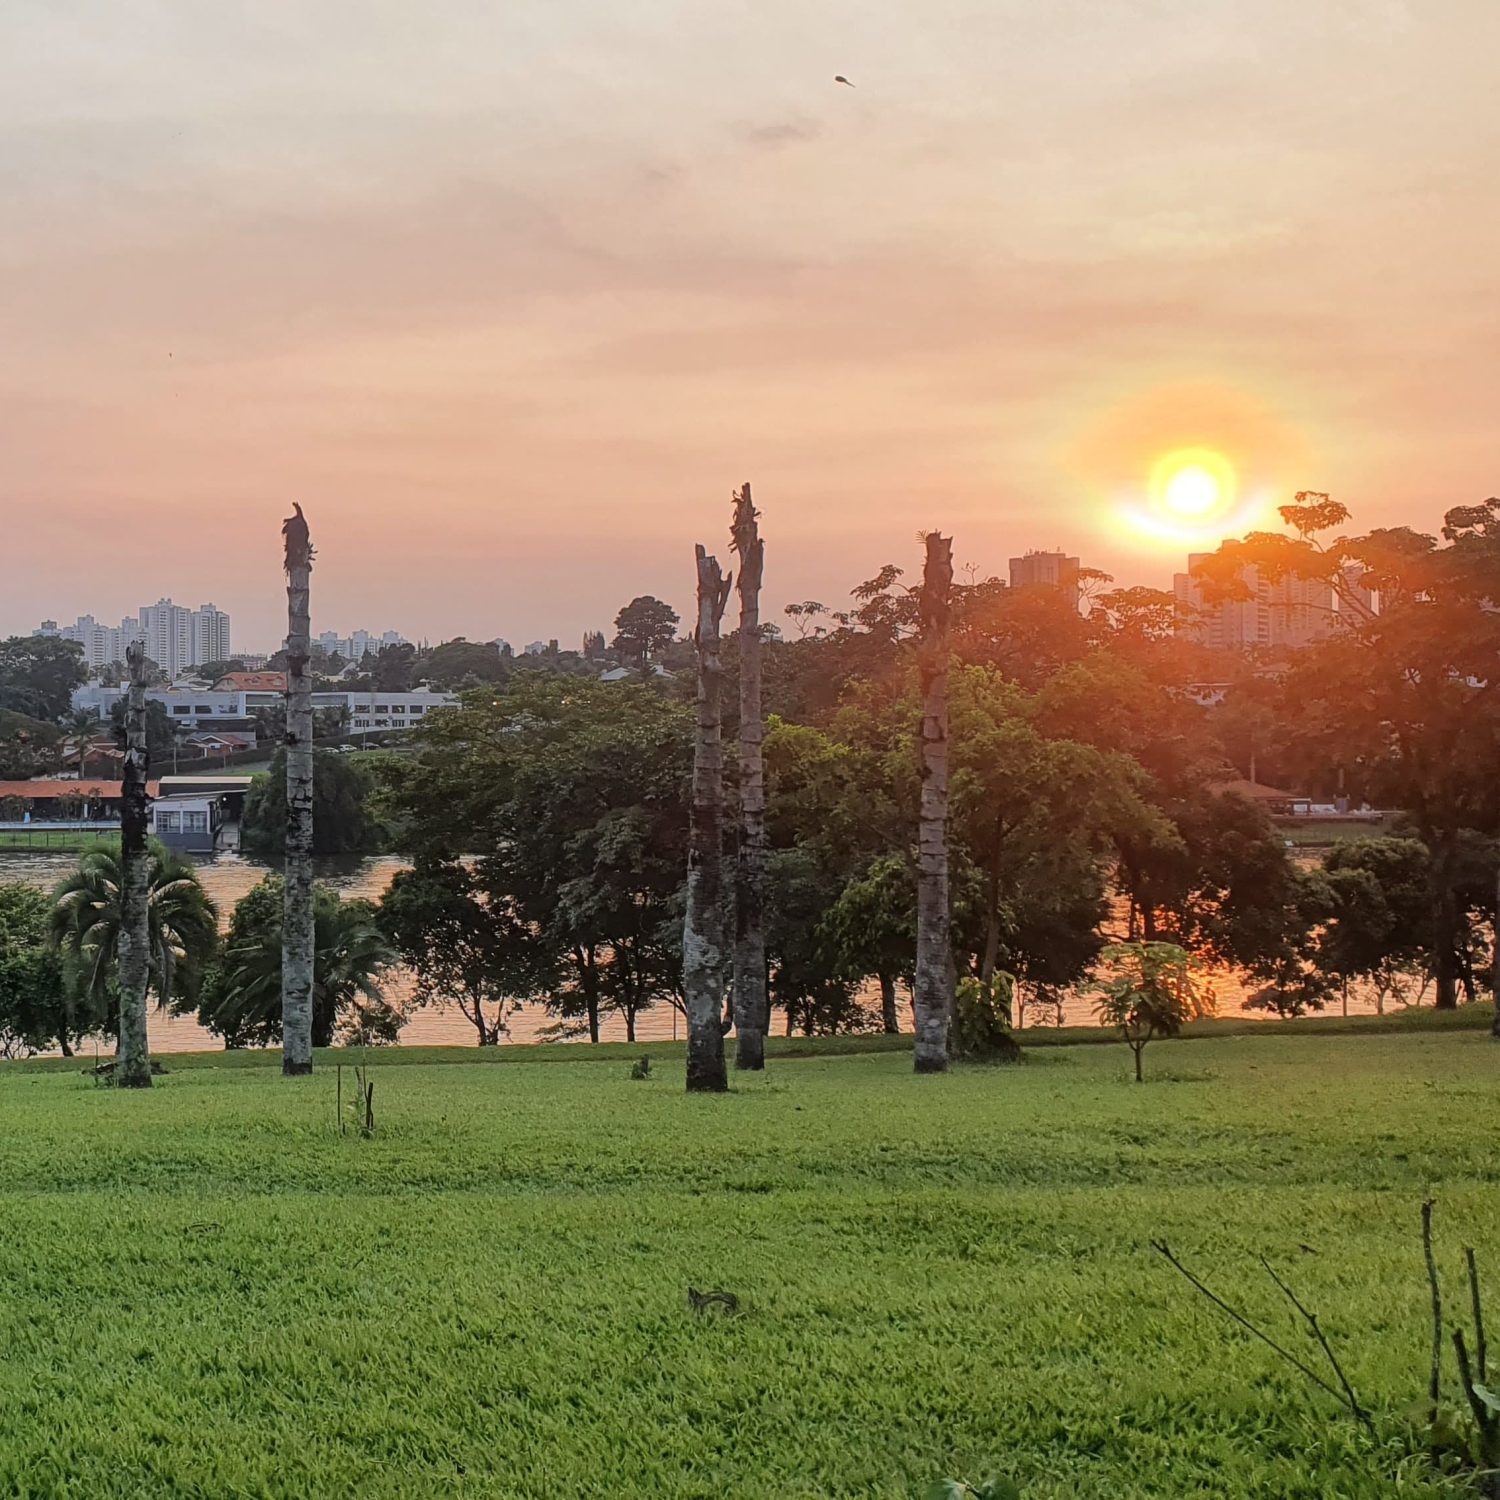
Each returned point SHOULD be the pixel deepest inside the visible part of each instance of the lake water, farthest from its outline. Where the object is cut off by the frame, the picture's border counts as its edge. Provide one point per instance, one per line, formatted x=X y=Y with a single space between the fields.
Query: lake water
x=229 y=876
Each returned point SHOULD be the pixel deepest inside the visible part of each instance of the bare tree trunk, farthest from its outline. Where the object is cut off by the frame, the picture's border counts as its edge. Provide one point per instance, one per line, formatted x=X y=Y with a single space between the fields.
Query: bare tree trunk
x=703 y=955
x=890 y=1022
x=297 y=943
x=751 y=1007
x=1495 y=962
x=133 y=951
x=932 y=994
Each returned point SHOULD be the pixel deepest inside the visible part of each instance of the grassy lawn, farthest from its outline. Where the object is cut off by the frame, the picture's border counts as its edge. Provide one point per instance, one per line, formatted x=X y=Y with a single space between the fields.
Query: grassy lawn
x=208 y=1292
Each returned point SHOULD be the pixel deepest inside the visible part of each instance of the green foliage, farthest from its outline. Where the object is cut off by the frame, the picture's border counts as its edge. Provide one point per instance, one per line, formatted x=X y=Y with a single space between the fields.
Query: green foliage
x=343 y=822
x=573 y=793
x=182 y=918
x=982 y=1019
x=462 y=946
x=34 y=999
x=456 y=663
x=38 y=674
x=944 y=1282
x=28 y=747
x=644 y=628
x=242 y=1000
x=1149 y=990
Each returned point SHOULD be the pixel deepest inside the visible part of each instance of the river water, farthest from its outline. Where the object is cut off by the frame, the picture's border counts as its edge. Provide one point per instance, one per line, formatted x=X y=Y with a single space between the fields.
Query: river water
x=229 y=876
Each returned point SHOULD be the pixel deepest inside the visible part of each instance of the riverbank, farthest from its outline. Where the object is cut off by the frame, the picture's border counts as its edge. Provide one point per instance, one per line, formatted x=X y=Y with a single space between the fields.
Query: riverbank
x=1469 y=1018
x=934 y=1276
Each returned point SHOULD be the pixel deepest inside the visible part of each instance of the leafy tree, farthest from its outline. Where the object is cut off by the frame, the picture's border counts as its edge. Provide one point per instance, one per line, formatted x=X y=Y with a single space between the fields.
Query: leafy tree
x=644 y=628
x=983 y=1018
x=35 y=1008
x=573 y=795
x=183 y=928
x=1403 y=702
x=872 y=927
x=1376 y=924
x=212 y=671
x=242 y=1000
x=28 y=747
x=458 y=662
x=1149 y=990
x=342 y=820
x=38 y=674
x=394 y=667
x=460 y=946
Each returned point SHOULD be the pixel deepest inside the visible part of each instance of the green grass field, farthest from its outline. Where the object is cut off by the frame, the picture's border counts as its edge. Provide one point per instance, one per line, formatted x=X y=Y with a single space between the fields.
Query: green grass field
x=209 y=1292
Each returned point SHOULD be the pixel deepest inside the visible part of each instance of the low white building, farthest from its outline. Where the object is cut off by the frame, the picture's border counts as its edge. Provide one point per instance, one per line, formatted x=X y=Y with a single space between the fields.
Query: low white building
x=190 y=707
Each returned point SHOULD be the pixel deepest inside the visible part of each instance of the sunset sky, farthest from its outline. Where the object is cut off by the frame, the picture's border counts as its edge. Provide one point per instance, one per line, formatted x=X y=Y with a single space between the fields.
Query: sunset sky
x=511 y=295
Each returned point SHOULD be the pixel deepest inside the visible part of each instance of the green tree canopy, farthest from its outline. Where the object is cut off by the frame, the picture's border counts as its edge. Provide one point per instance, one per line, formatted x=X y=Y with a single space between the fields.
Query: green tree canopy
x=343 y=820
x=38 y=674
x=35 y=1004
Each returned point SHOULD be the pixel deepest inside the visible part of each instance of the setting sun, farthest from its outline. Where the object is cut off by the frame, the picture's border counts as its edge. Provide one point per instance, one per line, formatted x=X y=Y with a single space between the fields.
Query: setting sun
x=1192 y=491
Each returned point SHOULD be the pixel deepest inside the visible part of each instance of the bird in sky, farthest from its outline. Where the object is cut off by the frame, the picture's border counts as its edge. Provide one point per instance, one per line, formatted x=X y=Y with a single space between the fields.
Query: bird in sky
x=839 y=78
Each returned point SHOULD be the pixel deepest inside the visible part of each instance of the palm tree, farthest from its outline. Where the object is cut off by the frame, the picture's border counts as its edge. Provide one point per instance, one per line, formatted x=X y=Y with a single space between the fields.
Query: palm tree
x=349 y=955
x=182 y=925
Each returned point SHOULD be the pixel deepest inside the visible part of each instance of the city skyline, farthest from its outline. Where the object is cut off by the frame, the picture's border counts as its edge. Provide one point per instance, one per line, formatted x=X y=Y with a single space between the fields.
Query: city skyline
x=510 y=302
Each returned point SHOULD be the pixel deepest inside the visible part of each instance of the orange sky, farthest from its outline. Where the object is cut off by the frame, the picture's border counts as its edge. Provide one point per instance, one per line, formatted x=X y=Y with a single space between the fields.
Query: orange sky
x=510 y=296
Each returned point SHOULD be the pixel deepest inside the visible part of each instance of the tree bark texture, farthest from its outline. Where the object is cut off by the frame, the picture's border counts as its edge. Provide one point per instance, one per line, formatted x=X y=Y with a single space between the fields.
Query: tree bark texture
x=297 y=943
x=890 y=1022
x=133 y=949
x=704 y=959
x=1495 y=963
x=752 y=1011
x=932 y=994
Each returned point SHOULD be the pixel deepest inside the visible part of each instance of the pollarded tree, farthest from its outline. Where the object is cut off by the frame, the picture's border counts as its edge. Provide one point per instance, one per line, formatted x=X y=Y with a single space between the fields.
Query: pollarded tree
x=932 y=992
x=133 y=935
x=752 y=1011
x=297 y=931
x=705 y=956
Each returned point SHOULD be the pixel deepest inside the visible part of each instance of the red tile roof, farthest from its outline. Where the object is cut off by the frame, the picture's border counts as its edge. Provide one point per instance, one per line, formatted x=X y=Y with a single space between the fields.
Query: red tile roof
x=90 y=788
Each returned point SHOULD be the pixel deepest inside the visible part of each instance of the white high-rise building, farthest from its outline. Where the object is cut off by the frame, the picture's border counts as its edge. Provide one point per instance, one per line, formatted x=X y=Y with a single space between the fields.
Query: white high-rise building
x=352 y=647
x=176 y=637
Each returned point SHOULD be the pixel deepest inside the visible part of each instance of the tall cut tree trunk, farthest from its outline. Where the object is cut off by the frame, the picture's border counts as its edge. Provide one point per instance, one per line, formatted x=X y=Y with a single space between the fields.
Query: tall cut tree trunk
x=932 y=994
x=297 y=942
x=752 y=1012
x=1495 y=962
x=133 y=951
x=703 y=955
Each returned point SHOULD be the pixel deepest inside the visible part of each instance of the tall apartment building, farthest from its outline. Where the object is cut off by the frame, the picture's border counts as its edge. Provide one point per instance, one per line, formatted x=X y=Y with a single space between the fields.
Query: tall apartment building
x=1055 y=569
x=352 y=647
x=1289 y=612
x=176 y=637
